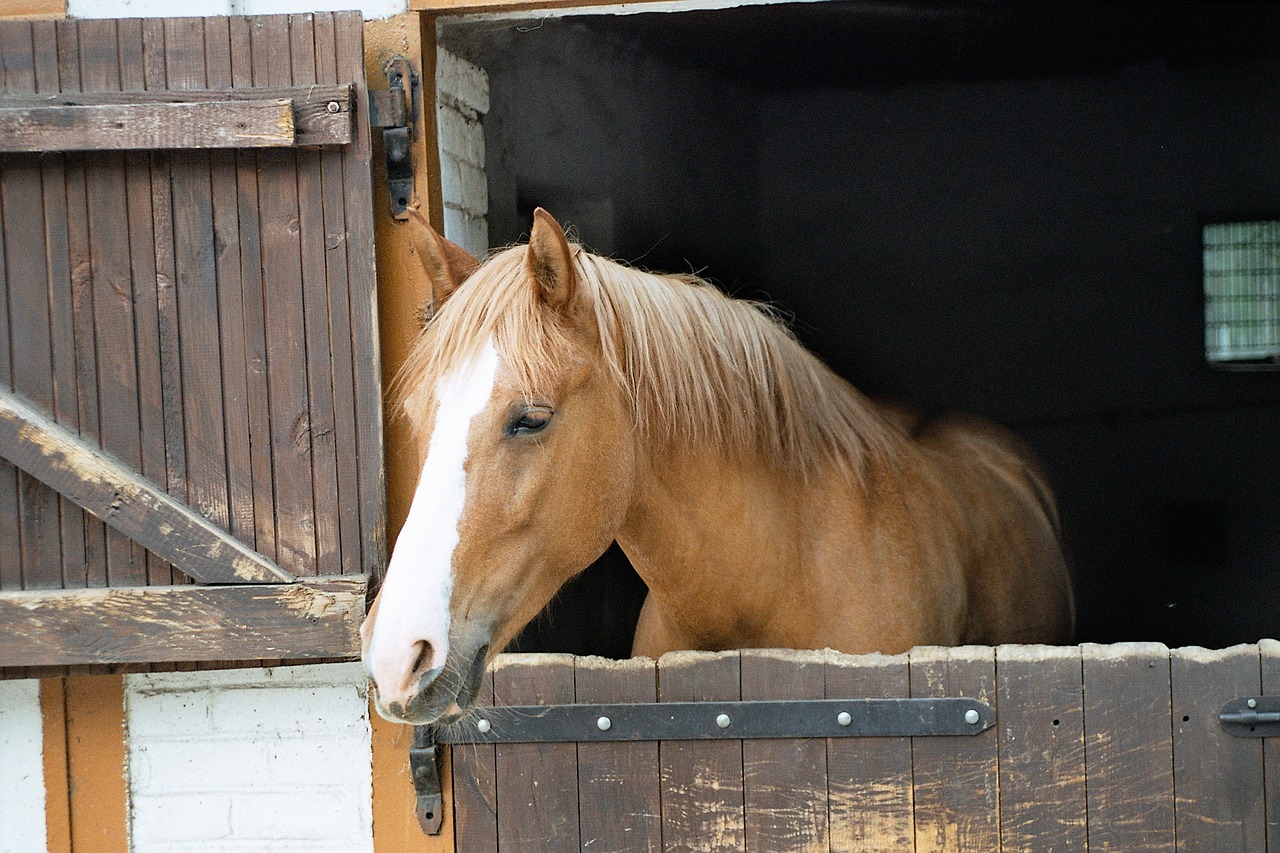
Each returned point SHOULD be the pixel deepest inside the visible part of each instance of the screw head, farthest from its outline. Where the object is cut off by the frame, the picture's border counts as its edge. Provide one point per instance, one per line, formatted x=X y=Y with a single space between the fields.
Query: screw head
x=333 y=106
x=483 y=726
x=1252 y=703
x=843 y=718
x=972 y=716
x=723 y=721
x=604 y=724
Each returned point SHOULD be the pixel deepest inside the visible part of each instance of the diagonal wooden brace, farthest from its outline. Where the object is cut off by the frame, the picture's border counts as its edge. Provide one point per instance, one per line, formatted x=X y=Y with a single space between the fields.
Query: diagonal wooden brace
x=126 y=500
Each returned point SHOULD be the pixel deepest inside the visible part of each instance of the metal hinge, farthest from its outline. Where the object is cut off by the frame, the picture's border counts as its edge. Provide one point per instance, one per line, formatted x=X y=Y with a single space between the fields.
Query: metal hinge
x=396 y=112
x=824 y=718
x=424 y=764
x=1252 y=716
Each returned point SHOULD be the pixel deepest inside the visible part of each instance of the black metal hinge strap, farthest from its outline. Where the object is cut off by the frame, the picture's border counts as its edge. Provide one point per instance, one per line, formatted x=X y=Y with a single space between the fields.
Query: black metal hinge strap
x=824 y=718
x=396 y=111
x=1252 y=716
x=424 y=764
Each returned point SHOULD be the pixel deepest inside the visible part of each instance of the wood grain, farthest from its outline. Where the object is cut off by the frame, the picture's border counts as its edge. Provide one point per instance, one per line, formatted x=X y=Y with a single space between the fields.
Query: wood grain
x=537 y=782
x=315 y=619
x=121 y=497
x=871 y=803
x=1128 y=747
x=1218 y=778
x=475 y=787
x=619 y=786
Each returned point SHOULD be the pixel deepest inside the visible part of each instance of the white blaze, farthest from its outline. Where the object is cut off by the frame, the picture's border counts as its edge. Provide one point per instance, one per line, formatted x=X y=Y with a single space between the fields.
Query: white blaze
x=414 y=603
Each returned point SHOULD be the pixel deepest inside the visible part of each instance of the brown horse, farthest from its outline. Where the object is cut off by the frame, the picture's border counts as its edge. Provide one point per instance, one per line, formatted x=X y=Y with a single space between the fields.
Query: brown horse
x=563 y=401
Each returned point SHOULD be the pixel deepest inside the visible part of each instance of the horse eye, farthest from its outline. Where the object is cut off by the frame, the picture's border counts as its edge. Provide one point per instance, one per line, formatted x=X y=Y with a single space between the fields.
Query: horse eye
x=530 y=421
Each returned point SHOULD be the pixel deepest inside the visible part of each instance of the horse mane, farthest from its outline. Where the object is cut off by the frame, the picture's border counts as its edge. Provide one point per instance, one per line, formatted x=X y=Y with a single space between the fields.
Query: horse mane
x=700 y=368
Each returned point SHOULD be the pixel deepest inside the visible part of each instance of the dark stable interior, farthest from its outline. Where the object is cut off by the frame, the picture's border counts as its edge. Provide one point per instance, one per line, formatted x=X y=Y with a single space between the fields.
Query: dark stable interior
x=992 y=206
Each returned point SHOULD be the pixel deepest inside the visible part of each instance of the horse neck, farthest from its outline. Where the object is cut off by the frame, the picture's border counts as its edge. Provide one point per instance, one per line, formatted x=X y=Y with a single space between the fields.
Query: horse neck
x=716 y=541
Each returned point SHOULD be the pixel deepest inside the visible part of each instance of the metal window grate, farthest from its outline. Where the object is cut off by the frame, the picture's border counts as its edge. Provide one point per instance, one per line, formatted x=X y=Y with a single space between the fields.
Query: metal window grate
x=1242 y=294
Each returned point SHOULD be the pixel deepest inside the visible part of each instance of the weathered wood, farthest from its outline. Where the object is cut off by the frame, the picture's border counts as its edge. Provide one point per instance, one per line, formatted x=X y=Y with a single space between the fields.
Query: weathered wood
x=537 y=782
x=869 y=784
x=475 y=787
x=1217 y=777
x=1128 y=747
x=319 y=115
x=702 y=796
x=261 y=123
x=1270 y=652
x=784 y=780
x=618 y=783
x=956 y=778
x=1041 y=730
x=124 y=499
x=315 y=619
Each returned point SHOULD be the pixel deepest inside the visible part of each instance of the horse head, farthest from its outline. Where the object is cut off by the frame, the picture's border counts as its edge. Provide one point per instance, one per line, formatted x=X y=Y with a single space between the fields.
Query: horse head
x=526 y=447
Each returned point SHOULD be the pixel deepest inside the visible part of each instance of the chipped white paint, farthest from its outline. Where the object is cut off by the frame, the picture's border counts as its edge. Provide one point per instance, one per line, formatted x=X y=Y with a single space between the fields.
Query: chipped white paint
x=22 y=828
x=179 y=8
x=414 y=603
x=253 y=759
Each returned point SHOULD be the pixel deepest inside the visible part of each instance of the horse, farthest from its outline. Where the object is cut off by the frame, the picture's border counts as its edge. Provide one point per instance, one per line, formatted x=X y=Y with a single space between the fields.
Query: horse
x=561 y=401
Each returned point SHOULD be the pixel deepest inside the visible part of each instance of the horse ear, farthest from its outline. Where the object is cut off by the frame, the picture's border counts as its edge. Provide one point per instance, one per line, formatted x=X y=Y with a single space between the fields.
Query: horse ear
x=550 y=261
x=446 y=263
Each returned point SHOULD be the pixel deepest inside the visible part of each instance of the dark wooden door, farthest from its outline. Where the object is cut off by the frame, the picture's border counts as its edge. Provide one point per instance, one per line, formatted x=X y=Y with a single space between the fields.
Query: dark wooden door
x=187 y=289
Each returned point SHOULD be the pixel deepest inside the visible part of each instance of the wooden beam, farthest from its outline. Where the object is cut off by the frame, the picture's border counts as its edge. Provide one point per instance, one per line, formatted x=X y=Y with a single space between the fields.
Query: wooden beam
x=192 y=118
x=315 y=618
x=28 y=9
x=126 y=500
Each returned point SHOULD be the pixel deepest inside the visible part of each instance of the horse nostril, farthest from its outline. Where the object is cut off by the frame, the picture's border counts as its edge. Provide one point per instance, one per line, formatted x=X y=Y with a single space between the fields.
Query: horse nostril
x=422 y=661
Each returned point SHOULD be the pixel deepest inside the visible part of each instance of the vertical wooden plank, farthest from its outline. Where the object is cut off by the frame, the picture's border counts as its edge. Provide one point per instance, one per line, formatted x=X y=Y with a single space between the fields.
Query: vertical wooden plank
x=1041 y=731
x=337 y=298
x=1218 y=780
x=36 y=547
x=155 y=68
x=702 y=790
x=1128 y=747
x=95 y=732
x=871 y=809
x=1270 y=652
x=196 y=282
x=83 y=353
x=142 y=260
x=956 y=778
x=286 y=344
x=784 y=780
x=316 y=319
x=359 y=249
x=111 y=281
x=537 y=782
x=618 y=783
x=475 y=787
x=231 y=299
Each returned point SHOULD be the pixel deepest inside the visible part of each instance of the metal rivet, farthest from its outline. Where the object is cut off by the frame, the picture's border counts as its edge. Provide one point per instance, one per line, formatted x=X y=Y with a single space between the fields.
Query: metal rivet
x=971 y=717
x=333 y=106
x=723 y=721
x=604 y=724
x=843 y=718
x=1252 y=703
x=483 y=726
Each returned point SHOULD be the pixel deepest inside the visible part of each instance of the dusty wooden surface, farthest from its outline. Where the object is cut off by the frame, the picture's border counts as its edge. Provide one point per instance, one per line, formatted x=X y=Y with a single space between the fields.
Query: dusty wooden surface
x=1089 y=748
x=317 y=618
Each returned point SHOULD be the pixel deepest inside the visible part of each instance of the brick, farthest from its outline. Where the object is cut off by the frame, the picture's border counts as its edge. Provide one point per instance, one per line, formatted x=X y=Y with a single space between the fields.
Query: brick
x=468 y=231
x=21 y=767
x=462 y=137
x=182 y=817
x=464 y=186
x=304 y=816
x=460 y=81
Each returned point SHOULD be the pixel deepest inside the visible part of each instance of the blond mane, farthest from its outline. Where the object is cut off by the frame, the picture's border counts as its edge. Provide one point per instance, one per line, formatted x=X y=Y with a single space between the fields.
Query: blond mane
x=701 y=369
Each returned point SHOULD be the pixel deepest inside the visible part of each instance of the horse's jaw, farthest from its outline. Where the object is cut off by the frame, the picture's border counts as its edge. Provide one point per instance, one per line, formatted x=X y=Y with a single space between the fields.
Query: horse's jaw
x=441 y=696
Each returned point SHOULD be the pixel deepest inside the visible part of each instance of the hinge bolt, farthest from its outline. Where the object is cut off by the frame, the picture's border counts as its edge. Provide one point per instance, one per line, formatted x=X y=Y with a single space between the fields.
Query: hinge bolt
x=971 y=717
x=333 y=106
x=483 y=726
x=604 y=724
x=723 y=721
x=1252 y=703
x=843 y=718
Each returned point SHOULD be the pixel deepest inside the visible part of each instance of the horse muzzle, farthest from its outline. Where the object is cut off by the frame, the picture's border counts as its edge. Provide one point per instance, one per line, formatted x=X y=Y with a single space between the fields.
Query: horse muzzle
x=438 y=694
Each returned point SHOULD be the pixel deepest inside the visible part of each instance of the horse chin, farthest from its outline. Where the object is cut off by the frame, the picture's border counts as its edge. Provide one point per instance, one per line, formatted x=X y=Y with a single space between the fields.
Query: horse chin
x=445 y=698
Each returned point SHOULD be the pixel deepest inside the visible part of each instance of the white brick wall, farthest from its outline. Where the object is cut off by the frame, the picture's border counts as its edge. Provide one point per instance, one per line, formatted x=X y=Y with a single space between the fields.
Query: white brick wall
x=260 y=759
x=171 y=8
x=463 y=99
x=22 y=827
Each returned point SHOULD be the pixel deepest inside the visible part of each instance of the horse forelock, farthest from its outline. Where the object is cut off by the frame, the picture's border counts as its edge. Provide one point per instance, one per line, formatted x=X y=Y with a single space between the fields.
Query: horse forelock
x=701 y=369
